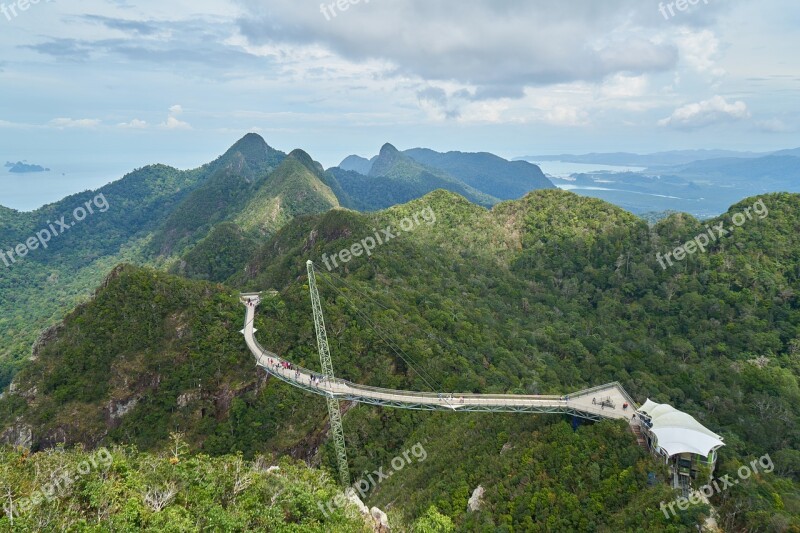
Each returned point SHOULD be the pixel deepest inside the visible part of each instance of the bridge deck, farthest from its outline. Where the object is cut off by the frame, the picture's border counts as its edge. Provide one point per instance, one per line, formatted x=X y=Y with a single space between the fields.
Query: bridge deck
x=597 y=403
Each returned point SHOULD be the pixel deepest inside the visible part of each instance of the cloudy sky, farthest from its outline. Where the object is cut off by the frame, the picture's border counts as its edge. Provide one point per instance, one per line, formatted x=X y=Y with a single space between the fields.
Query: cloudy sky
x=117 y=84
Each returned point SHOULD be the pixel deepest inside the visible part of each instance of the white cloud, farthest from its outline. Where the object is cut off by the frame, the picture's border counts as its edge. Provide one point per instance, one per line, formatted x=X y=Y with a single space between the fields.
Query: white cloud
x=773 y=125
x=172 y=122
x=134 y=124
x=74 y=123
x=622 y=86
x=566 y=116
x=706 y=113
x=499 y=47
x=700 y=51
x=392 y=69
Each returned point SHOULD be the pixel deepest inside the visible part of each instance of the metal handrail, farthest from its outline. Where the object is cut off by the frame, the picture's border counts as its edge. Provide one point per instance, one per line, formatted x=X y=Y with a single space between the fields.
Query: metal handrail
x=607 y=385
x=447 y=397
x=416 y=394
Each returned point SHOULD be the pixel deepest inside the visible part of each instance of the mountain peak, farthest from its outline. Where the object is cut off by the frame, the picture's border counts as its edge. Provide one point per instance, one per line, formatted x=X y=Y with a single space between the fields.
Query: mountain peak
x=254 y=150
x=250 y=141
x=389 y=149
x=301 y=155
x=307 y=161
x=356 y=163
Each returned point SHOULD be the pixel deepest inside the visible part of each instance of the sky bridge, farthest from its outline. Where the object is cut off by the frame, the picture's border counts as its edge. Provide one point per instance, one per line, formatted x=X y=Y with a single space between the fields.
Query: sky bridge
x=677 y=437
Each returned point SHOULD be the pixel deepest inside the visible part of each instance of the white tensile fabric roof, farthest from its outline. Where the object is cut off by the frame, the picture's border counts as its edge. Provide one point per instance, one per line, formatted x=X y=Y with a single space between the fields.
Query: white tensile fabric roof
x=678 y=432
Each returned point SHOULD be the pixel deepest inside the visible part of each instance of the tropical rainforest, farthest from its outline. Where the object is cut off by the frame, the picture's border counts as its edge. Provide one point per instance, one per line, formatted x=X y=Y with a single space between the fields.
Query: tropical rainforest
x=134 y=320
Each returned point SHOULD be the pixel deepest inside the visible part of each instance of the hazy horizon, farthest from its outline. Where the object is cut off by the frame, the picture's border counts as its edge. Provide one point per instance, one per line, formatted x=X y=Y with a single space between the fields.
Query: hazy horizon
x=141 y=82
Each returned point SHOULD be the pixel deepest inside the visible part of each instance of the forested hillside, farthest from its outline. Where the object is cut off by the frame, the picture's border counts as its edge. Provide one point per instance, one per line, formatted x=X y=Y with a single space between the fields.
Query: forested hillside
x=549 y=293
x=203 y=223
x=39 y=288
x=149 y=213
x=120 y=489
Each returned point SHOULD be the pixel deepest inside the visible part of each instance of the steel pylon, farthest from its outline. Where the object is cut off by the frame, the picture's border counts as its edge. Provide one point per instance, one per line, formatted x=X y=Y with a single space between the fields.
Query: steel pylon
x=334 y=413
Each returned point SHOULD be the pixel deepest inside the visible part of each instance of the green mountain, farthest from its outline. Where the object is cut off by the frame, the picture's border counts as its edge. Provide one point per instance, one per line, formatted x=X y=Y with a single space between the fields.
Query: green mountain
x=395 y=178
x=491 y=174
x=232 y=180
x=157 y=216
x=485 y=172
x=296 y=188
x=544 y=294
x=218 y=256
x=357 y=164
x=37 y=289
x=363 y=193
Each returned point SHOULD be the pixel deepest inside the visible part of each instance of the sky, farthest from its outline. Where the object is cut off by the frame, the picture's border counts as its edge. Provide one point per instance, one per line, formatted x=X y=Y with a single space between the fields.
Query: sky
x=95 y=88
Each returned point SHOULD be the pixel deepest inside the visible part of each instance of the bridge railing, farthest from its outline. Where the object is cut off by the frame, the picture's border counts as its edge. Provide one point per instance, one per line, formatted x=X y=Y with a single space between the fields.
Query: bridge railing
x=424 y=395
x=599 y=388
x=395 y=392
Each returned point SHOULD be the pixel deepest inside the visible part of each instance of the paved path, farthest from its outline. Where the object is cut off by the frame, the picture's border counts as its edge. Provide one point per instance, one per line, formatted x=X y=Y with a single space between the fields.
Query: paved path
x=606 y=401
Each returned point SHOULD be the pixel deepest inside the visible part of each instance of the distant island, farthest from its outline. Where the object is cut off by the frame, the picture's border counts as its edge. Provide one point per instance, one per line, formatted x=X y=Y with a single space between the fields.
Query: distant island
x=23 y=168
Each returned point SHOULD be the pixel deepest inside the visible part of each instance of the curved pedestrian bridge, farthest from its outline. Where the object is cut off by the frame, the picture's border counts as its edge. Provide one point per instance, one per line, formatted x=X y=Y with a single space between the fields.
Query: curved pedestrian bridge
x=603 y=402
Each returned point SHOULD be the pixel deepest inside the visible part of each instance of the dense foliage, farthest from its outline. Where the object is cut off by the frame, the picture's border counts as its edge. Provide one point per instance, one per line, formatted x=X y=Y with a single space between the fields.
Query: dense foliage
x=122 y=489
x=219 y=256
x=38 y=289
x=232 y=180
x=543 y=295
x=295 y=188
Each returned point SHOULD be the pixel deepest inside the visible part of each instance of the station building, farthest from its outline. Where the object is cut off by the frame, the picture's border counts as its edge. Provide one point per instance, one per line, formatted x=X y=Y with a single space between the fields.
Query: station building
x=687 y=446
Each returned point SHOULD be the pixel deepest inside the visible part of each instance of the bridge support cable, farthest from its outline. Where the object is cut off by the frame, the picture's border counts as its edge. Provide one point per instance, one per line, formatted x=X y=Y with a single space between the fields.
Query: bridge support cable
x=399 y=352
x=334 y=413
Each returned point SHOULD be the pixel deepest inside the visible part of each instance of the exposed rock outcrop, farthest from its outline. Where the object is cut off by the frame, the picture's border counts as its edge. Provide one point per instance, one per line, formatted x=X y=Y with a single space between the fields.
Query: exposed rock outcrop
x=19 y=434
x=476 y=501
x=381 y=520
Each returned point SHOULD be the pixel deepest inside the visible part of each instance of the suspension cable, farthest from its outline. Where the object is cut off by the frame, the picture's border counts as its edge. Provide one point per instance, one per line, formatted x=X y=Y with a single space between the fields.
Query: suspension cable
x=396 y=349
